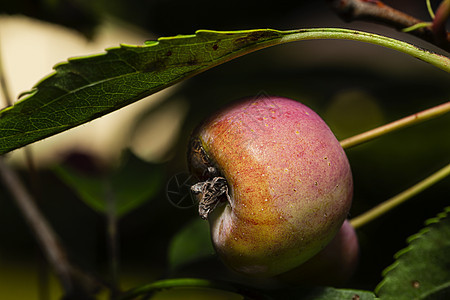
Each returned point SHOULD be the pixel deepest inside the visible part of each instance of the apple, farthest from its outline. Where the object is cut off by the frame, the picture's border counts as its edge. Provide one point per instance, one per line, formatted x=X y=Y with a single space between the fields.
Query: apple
x=274 y=183
x=333 y=266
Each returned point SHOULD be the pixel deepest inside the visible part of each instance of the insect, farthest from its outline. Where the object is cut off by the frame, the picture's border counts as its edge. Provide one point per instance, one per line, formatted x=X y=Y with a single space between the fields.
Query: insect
x=211 y=192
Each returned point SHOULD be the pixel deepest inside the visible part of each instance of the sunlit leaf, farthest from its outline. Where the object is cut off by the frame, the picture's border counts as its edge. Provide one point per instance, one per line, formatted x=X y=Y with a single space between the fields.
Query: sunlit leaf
x=86 y=88
x=422 y=270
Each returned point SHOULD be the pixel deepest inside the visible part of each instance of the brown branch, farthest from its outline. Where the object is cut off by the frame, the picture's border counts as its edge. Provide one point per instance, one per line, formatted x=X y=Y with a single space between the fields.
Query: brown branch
x=378 y=12
x=3 y=81
x=76 y=284
x=438 y=26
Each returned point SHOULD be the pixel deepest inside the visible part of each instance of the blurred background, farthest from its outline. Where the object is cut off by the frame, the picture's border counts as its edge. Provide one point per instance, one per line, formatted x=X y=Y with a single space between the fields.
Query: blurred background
x=353 y=86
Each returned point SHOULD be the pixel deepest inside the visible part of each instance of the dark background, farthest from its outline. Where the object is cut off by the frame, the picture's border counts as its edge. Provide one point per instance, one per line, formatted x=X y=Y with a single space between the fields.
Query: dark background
x=353 y=86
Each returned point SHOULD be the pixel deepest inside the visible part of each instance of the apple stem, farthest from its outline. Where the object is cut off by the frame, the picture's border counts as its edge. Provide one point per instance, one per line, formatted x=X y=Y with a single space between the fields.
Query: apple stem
x=393 y=126
x=393 y=202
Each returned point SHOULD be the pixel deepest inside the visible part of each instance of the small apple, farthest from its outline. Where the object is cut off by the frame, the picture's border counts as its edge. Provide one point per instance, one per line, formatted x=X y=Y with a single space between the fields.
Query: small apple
x=274 y=183
x=333 y=266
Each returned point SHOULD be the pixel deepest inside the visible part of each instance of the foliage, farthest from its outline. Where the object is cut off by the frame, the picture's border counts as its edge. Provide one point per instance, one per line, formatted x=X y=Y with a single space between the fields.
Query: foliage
x=122 y=191
x=86 y=88
x=421 y=271
x=237 y=291
x=190 y=244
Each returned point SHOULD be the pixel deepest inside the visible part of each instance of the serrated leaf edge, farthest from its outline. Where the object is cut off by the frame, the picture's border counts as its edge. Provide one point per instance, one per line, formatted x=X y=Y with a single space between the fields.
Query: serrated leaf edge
x=410 y=240
x=251 y=44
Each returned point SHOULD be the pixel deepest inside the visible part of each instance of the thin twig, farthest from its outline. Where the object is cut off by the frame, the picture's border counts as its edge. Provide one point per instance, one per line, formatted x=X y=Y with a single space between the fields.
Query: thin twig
x=43 y=286
x=377 y=11
x=112 y=238
x=393 y=202
x=72 y=279
x=45 y=235
x=3 y=82
x=389 y=204
x=396 y=125
x=76 y=284
x=430 y=9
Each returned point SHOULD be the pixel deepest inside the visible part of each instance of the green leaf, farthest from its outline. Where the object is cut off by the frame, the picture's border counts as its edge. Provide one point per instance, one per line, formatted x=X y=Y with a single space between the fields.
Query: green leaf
x=422 y=270
x=196 y=288
x=135 y=183
x=191 y=243
x=323 y=293
x=198 y=285
x=86 y=88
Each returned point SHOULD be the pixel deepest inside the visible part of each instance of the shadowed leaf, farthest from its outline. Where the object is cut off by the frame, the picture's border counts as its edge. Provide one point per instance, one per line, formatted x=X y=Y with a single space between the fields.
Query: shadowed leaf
x=191 y=243
x=130 y=186
x=421 y=270
x=323 y=293
x=217 y=289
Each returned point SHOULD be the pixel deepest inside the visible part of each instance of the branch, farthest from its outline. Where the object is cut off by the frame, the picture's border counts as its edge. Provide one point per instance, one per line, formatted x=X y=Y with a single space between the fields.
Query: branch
x=438 y=26
x=74 y=282
x=416 y=118
x=378 y=12
x=3 y=82
x=112 y=238
x=393 y=202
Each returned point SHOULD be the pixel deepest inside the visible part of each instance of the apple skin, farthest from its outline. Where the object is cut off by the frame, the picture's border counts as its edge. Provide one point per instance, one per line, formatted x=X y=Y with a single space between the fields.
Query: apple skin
x=289 y=183
x=333 y=266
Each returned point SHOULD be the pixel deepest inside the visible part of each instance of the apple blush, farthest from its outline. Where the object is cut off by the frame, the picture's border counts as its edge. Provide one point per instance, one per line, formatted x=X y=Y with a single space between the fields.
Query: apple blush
x=274 y=184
